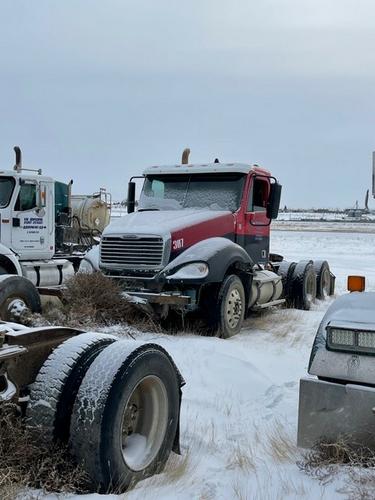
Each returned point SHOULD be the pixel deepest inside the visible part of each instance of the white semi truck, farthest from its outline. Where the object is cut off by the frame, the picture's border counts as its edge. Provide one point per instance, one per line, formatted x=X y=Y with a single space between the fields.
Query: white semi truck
x=44 y=233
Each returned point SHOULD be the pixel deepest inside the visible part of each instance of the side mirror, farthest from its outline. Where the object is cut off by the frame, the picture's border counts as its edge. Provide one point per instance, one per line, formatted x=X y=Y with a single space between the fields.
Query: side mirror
x=42 y=195
x=131 y=197
x=274 y=201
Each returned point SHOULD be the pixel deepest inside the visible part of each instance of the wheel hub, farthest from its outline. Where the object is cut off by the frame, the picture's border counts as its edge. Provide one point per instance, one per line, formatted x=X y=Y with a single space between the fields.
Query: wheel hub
x=16 y=308
x=234 y=308
x=144 y=423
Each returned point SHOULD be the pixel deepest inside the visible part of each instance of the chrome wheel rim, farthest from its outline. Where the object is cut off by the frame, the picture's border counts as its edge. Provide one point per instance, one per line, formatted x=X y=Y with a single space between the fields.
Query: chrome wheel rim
x=144 y=423
x=325 y=283
x=16 y=307
x=311 y=287
x=233 y=307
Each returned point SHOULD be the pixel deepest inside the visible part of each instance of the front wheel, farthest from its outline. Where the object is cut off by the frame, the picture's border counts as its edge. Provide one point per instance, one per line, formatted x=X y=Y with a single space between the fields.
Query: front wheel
x=18 y=296
x=231 y=306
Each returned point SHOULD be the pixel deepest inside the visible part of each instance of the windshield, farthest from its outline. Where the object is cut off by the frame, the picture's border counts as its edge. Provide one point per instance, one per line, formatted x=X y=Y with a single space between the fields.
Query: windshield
x=177 y=192
x=6 y=190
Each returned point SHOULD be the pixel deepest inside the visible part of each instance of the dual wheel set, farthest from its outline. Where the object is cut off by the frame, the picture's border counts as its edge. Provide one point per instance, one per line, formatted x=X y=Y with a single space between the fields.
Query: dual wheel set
x=115 y=403
x=303 y=283
x=306 y=281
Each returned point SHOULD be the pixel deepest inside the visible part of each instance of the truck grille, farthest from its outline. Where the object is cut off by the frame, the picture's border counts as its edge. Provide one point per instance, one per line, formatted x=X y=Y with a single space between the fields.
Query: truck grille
x=140 y=252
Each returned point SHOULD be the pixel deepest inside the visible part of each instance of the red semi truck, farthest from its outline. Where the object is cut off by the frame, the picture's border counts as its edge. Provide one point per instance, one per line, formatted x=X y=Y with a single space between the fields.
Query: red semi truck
x=199 y=241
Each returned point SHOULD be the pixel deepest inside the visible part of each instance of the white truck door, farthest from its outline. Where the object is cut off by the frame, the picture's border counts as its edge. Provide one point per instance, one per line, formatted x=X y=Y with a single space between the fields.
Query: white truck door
x=32 y=235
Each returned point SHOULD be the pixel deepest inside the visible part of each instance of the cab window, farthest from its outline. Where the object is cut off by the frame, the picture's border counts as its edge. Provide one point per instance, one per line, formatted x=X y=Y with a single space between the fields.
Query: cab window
x=6 y=190
x=258 y=196
x=26 y=199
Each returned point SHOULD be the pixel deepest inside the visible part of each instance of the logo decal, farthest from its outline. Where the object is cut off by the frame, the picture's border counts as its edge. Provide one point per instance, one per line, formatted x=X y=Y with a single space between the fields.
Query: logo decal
x=353 y=365
x=177 y=244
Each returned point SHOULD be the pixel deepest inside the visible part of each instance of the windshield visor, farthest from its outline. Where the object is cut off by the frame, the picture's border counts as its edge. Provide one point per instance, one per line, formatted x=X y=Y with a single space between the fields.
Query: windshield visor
x=178 y=192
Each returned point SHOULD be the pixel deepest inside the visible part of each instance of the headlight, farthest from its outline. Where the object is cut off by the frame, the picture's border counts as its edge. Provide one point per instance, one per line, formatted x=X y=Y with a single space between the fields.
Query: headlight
x=345 y=339
x=366 y=339
x=85 y=267
x=342 y=337
x=195 y=270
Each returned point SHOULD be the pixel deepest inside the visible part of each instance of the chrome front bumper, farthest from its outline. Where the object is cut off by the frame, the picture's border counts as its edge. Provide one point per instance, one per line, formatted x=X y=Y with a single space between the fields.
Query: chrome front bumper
x=330 y=411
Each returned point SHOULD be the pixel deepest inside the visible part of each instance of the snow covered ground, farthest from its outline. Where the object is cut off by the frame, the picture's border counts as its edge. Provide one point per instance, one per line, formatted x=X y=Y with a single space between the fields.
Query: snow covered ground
x=239 y=411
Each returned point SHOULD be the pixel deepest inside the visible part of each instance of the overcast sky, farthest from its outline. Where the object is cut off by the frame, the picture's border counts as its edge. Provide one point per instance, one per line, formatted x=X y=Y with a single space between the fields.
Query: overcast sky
x=97 y=90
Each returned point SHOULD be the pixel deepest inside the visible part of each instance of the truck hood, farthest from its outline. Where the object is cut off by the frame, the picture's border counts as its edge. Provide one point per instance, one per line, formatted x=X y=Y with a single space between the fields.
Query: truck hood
x=162 y=223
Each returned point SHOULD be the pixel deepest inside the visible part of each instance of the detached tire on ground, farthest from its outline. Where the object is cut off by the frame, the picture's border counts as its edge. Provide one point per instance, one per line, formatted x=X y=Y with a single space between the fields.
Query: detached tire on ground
x=231 y=307
x=126 y=416
x=56 y=386
x=17 y=295
x=304 y=285
x=323 y=279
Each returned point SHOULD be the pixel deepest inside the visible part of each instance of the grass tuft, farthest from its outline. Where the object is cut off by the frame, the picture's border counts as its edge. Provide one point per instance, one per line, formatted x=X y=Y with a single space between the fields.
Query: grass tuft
x=26 y=463
x=92 y=300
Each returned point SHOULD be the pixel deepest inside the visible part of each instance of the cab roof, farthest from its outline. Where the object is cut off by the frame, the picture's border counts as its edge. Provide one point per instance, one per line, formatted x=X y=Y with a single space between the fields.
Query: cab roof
x=27 y=174
x=205 y=168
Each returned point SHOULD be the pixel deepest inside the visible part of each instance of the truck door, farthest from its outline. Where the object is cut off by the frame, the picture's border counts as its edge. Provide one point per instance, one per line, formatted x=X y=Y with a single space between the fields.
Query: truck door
x=257 y=224
x=30 y=221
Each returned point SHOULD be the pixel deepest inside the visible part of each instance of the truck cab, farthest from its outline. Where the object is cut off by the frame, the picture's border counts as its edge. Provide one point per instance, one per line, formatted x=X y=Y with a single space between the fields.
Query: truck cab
x=27 y=215
x=44 y=230
x=181 y=205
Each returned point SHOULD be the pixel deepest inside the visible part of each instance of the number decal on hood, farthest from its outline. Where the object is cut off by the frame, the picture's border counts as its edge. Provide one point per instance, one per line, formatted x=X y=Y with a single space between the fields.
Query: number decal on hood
x=177 y=244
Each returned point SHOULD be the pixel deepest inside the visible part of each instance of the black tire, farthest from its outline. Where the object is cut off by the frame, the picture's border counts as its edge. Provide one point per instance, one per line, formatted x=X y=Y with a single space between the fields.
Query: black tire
x=304 y=285
x=16 y=288
x=56 y=386
x=142 y=385
x=323 y=279
x=231 y=307
x=286 y=271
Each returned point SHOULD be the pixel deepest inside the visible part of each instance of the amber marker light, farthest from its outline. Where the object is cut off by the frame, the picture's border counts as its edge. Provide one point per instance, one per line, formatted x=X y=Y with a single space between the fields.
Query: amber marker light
x=356 y=283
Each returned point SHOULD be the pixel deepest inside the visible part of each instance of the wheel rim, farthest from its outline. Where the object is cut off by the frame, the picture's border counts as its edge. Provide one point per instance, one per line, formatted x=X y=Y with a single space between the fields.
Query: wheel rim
x=310 y=287
x=233 y=307
x=325 y=283
x=144 y=423
x=15 y=308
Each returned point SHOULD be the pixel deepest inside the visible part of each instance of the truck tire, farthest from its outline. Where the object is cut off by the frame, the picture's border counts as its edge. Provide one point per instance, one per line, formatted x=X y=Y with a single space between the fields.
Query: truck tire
x=17 y=295
x=56 y=386
x=323 y=279
x=304 y=285
x=286 y=270
x=231 y=306
x=128 y=404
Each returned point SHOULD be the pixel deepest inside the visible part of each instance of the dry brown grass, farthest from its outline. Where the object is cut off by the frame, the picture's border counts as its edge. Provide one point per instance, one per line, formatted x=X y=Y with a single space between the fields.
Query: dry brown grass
x=26 y=463
x=325 y=459
x=243 y=458
x=280 y=444
x=92 y=300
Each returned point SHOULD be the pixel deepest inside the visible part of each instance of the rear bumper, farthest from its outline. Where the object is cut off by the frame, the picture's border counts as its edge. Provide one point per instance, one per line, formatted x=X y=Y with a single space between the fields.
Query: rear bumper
x=330 y=411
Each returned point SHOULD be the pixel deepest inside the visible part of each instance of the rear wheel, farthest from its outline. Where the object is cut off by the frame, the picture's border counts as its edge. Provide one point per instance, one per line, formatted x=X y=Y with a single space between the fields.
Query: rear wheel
x=56 y=386
x=323 y=279
x=286 y=270
x=129 y=404
x=304 y=285
x=17 y=297
x=231 y=306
